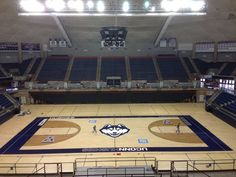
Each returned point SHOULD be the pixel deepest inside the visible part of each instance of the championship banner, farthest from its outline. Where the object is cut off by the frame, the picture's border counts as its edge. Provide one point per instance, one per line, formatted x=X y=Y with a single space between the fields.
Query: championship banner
x=205 y=47
x=8 y=46
x=30 y=47
x=227 y=46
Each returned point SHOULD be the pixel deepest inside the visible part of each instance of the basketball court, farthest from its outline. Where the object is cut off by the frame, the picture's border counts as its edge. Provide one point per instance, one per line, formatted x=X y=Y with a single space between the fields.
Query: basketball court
x=62 y=133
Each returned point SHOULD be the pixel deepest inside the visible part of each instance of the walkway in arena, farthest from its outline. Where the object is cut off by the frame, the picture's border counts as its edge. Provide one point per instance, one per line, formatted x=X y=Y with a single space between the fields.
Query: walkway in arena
x=183 y=131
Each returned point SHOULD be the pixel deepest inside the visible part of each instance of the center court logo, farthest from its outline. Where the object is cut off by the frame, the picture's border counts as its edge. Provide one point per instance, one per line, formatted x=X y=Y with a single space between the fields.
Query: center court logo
x=114 y=131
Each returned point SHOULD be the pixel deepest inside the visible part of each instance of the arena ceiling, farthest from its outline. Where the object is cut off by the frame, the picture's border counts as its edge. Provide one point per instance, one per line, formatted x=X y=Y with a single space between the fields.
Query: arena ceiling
x=219 y=24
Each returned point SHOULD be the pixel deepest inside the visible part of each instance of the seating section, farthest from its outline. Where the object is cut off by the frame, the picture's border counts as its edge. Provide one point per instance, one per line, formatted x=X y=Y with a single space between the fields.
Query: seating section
x=10 y=67
x=113 y=67
x=228 y=70
x=54 y=69
x=1 y=74
x=143 y=69
x=7 y=108
x=172 y=69
x=4 y=102
x=18 y=68
x=226 y=101
x=23 y=66
x=224 y=107
x=189 y=65
x=83 y=69
x=205 y=66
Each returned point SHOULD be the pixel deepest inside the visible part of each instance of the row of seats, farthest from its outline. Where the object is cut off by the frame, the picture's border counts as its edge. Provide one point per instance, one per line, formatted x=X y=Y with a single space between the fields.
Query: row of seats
x=226 y=101
x=1 y=74
x=85 y=69
x=54 y=69
x=20 y=68
x=113 y=67
x=227 y=71
x=172 y=69
x=4 y=102
x=7 y=108
x=204 y=67
x=141 y=68
x=224 y=107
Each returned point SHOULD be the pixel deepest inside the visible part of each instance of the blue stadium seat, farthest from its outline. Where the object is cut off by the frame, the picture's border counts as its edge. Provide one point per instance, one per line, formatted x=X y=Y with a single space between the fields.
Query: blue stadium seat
x=142 y=68
x=172 y=69
x=113 y=67
x=204 y=66
x=4 y=102
x=227 y=71
x=10 y=66
x=1 y=74
x=84 y=69
x=227 y=101
x=23 y=66
x=54 y=69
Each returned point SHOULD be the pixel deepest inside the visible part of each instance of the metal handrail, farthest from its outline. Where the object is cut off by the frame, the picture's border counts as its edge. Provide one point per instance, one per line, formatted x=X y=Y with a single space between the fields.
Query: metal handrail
x=199 y=170
x=15 y=168
x=36 y=171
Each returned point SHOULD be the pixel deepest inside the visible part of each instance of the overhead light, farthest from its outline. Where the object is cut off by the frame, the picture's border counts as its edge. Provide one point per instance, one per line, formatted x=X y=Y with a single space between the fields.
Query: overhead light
x=198 y=5
x=146 y=4
x=183 y=5
x=76 y=4
x=153 y=8
x=125 y=6
x=90 y=4
x=56 y=5
x=100 y=6
x=169 y=5
x=32 y=6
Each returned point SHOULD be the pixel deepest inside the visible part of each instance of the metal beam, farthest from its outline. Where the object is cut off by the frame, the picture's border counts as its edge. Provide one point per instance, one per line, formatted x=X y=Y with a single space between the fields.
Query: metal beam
x=63 y=31
x=163 y=30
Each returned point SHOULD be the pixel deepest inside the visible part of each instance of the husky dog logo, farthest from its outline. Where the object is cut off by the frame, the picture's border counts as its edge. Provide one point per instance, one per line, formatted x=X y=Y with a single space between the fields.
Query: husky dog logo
x=114 y=131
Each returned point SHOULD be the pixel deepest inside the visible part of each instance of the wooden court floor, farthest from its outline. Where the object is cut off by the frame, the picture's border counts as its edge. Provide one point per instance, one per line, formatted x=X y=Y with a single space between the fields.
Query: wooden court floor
x=223 y=131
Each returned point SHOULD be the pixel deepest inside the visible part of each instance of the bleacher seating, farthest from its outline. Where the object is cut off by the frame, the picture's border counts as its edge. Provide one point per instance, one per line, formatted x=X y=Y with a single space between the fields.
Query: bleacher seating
x=7 y=108
x=84 y=69
x=227 y=101
x=224 y=106
x=203 y=66
x=23 y=66
x=54 y=69
x=9 y=67
x=19 y=68
x=113 y=67
x=1 y=74
x=142 y=68
x=4 y=102
x=227 y=71
x=172 y=69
